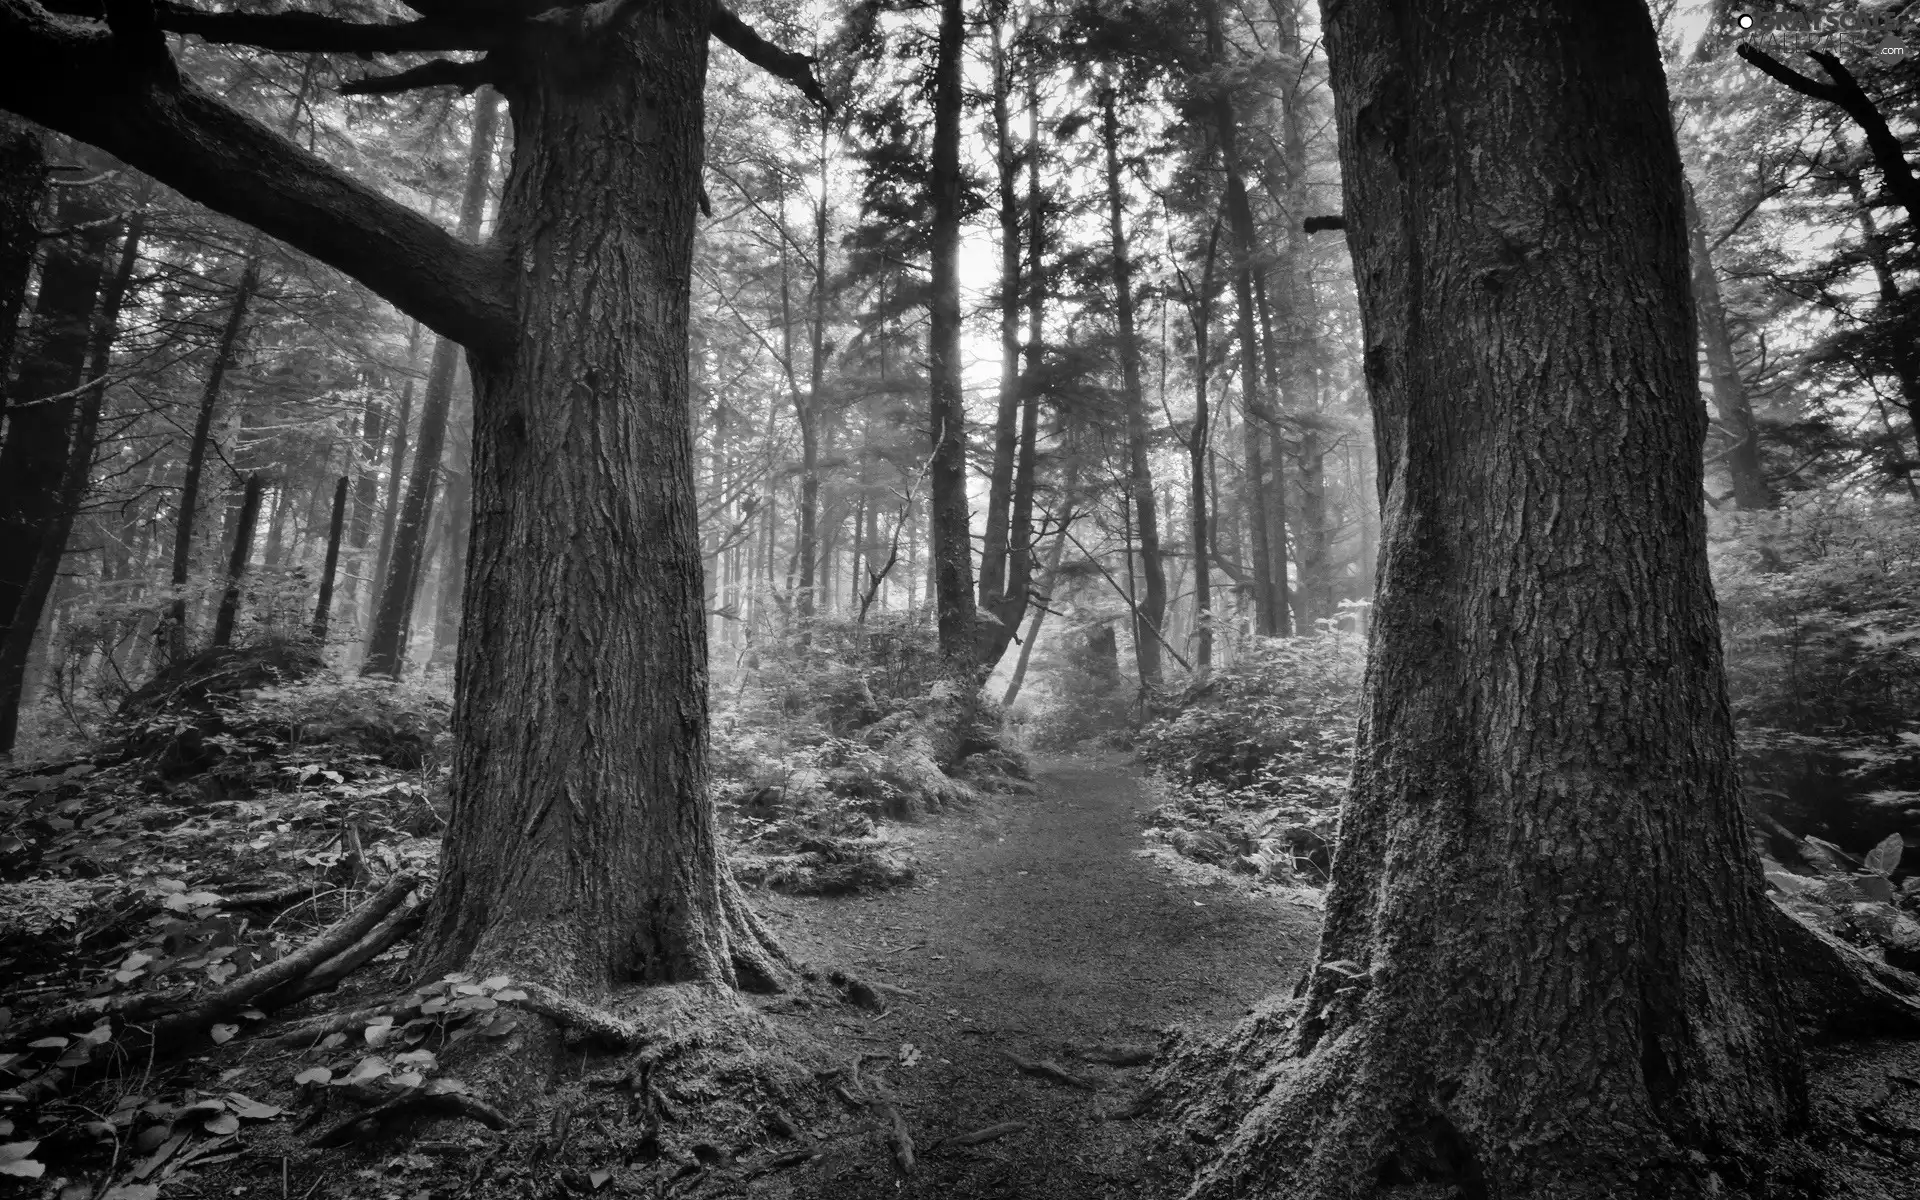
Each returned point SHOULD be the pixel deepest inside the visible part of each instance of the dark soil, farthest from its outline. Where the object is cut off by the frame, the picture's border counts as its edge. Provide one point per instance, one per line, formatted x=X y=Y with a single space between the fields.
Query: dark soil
x=1040 y=929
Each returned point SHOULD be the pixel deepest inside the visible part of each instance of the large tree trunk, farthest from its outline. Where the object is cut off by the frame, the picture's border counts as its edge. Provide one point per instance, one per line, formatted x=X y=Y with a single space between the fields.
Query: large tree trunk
x=323 y=607
x=173 y=632
x=582 y=851
x=52 y=363
x=1750 y=489
x=947 y=482
x=1547 y=968
x=387 y=641
x=17 y=641
x=1151 y=610
x=23 y=193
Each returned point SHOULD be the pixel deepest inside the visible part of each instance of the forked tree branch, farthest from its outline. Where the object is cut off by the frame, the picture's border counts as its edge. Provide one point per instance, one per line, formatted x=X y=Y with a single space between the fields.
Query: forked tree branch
x=440 y=72
x=72 y=79
x=1846 y=92
x=796 y=69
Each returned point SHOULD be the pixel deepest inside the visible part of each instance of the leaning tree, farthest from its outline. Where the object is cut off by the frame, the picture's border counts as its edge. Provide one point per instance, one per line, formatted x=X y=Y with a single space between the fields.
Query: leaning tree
x=1548 y=968
x=582 y=851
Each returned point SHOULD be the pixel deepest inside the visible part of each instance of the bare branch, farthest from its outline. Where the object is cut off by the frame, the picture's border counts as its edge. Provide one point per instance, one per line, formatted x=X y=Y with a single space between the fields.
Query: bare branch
x=71 y=78
x=1846 y=92
x=439 y=73
x=796 y=69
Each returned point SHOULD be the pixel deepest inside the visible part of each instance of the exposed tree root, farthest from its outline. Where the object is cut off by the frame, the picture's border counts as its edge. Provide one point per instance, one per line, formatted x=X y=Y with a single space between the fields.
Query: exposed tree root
x=595 y=1023
x=1048 y=1070
x=874 y=1099
x=1120 y=1056
x=388 y=1118
x=760 y=963
x=1838 y=991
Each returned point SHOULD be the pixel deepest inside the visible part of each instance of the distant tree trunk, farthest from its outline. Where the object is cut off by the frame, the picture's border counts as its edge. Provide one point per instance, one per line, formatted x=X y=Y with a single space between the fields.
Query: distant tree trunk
x=237 y=563
x=396 y=461
x=17 y=641
x=1006 y=426
x=323 y=610
x=366 y=497
x=457 y=522
x=1200 y=310
x=582 y=851
x=173 y=631
x=1750 y=489
x=1151 y=610
x=23 y=194
x=1548 y=967
x=1266 y=524
x=947 y=490
x=1039 y=617
x=53 y=363
x=387 y=641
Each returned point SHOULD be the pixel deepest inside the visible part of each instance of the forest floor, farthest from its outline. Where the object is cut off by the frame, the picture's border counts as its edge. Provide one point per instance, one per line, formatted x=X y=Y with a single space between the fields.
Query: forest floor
x=1043 y=926
x=1018 y=987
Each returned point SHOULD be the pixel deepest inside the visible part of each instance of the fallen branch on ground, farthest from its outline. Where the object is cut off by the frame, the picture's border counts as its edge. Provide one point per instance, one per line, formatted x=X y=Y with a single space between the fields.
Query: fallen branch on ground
x=410 y=1103
x=274 y=897
x=1047 y=1070
x=989 y=1134
x=244 y=991
x=175 y=1025
x=324 y=978
x=351 y=1021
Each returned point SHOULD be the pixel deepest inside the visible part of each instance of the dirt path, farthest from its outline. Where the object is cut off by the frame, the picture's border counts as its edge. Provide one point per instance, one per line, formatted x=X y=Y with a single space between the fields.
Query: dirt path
x=1038 y=929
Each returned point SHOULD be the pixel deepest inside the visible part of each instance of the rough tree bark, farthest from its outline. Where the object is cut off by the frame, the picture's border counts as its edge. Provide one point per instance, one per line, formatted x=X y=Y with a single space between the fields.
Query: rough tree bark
x=1151 y=610
x=1750 y=489
x=1548 y=967
x=392 y=620
x=581 y=851
x=585 y=576
x=947 y=473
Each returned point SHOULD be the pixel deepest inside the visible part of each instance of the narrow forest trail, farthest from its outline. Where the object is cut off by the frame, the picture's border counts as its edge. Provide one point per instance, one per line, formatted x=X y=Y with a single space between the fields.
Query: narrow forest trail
x=1037 y=929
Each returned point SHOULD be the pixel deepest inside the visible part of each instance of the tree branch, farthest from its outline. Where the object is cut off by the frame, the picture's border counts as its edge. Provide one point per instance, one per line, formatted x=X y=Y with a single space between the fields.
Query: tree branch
x=298 y=32
x=796 y=69
x=440 y=72
x=70 y=78
x=1846 y=92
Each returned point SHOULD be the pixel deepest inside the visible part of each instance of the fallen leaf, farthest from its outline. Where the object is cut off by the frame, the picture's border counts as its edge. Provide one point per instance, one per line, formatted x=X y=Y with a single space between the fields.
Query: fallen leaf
x=313 y=1075
x=14 y=1160
x=222 y=1034
x=222 y=1125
